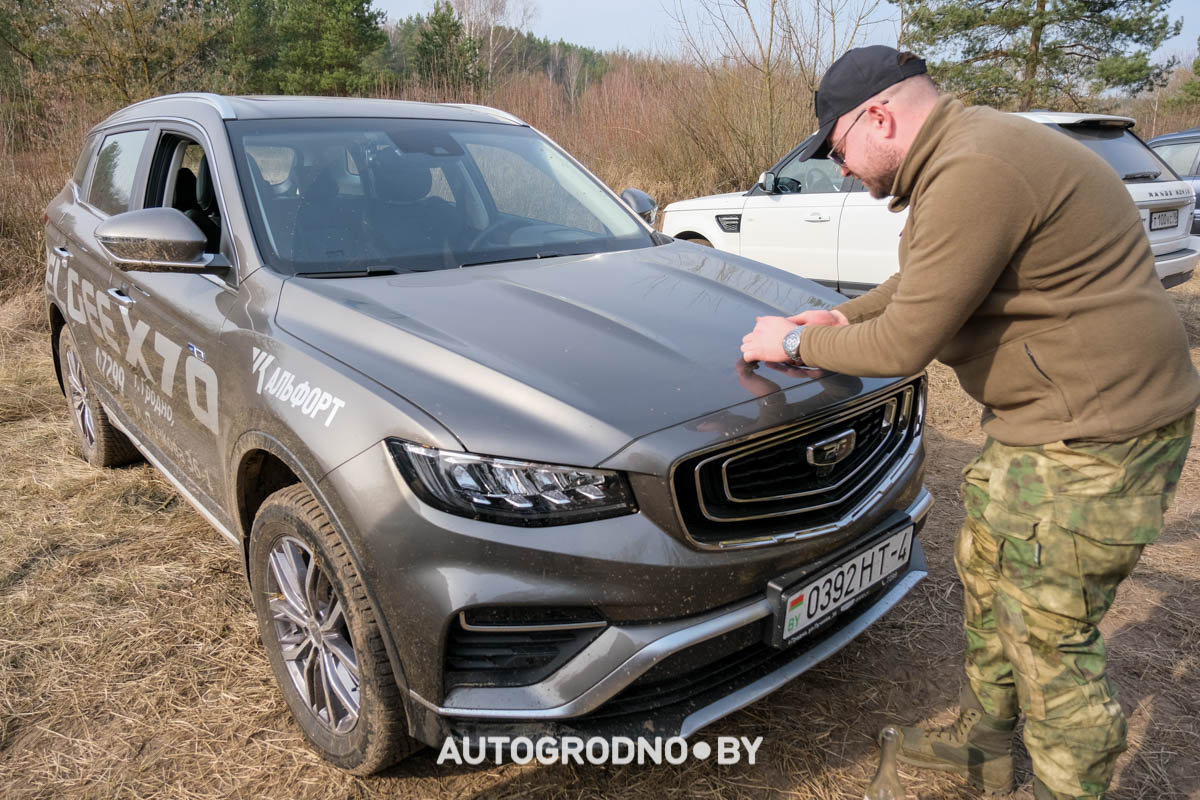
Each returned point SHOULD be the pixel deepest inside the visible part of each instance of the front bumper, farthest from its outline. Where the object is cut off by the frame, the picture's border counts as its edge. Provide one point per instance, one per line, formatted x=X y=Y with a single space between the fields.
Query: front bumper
x=677 y=620
x=623 y=653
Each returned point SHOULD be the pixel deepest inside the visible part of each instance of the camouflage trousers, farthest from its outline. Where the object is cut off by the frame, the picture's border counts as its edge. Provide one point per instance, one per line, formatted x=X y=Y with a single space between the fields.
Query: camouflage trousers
x=1050 y=532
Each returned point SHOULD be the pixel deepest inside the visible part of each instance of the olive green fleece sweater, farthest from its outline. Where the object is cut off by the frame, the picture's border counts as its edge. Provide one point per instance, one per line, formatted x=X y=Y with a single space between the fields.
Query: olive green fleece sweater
x=1025 y=268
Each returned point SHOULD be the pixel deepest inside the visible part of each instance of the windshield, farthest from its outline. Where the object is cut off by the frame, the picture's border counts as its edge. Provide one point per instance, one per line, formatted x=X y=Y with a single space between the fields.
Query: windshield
x=408 y=195
x=1132 y=160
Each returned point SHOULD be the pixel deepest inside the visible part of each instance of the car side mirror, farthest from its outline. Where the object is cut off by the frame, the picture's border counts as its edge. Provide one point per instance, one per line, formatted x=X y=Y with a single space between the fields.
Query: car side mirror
x=642 y=204
x=158 y=240
x=767 y=182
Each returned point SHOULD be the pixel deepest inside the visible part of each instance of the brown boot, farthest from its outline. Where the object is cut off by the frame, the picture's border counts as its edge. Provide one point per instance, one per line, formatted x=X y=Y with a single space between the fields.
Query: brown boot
x=977 y=746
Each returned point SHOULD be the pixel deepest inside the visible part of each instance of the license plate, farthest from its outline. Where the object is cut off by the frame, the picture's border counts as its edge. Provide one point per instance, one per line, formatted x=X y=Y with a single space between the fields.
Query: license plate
x=1164 y=219
x=804 y=606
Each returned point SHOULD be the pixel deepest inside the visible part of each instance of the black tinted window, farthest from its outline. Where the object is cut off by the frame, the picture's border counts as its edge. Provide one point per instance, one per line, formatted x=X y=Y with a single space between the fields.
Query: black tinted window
x=1132 y=160
x=116 y=167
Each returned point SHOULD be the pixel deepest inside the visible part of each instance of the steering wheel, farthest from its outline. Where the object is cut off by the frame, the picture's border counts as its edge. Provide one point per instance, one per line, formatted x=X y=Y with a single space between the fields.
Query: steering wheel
x=507 y=225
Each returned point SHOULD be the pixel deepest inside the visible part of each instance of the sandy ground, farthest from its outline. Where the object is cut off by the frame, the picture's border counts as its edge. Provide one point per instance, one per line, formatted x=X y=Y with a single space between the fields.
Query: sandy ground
x=130 y=664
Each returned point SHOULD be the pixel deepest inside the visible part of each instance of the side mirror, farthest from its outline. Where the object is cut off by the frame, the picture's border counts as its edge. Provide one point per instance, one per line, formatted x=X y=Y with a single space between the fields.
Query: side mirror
x=642 y=204
x=767 y=182
x=158 y=240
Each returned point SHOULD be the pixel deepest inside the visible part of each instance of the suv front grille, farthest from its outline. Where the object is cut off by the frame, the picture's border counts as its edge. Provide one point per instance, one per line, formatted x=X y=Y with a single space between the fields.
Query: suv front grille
x=800 y=478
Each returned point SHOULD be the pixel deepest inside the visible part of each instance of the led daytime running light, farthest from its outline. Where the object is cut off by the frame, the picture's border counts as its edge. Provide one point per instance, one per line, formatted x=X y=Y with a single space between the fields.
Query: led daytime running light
x=510 y=491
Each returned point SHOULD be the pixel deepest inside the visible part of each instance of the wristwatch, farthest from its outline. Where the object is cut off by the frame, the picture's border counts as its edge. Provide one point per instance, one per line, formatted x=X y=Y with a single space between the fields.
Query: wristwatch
x=791 y=343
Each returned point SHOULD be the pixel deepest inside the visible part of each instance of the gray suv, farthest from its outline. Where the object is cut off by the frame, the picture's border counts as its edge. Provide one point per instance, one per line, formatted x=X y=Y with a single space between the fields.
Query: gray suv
x=481 y=436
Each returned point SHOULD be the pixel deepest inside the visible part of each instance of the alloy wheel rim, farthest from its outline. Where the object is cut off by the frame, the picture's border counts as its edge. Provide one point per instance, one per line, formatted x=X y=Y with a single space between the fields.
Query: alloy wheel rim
x=310 y=626
x=77 y=390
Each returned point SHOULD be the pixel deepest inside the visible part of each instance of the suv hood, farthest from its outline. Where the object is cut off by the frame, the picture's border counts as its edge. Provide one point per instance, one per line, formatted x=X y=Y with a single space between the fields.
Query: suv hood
x=731 y=200
x=563 y=360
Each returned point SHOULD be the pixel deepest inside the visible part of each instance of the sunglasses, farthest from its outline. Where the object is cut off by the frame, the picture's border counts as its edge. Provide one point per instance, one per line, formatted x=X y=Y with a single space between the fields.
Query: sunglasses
x=835 y=155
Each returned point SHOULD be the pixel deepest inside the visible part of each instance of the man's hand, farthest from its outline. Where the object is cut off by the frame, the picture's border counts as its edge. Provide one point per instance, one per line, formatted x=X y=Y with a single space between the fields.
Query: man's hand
x=765 y=342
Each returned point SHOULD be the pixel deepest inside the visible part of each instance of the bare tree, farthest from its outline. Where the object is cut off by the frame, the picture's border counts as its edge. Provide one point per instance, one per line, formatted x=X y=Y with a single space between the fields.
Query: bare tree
x=737 y=43
x=819 y=31
x=762 y=60
x=495 y=25
x=132 y=49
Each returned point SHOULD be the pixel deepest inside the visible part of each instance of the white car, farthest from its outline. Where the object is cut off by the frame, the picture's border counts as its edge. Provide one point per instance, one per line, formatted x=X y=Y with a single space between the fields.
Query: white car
x=804 y=217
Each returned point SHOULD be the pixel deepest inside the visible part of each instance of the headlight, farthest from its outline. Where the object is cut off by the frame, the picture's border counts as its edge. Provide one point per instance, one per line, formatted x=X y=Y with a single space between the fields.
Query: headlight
x=508 y=491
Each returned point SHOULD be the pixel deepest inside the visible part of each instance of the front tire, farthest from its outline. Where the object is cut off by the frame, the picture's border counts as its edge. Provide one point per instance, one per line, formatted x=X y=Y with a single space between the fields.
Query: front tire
x=322 y=638
x=96 y=438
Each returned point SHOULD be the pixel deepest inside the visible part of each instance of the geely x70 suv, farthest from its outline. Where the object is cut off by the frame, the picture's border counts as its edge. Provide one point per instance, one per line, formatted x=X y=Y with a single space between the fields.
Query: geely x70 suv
x=481 y=437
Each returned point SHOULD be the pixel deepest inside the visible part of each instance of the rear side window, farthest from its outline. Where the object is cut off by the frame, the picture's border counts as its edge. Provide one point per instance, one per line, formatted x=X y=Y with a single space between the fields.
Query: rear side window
x=1132 y=160
x=116 y=167
x=1179 y=156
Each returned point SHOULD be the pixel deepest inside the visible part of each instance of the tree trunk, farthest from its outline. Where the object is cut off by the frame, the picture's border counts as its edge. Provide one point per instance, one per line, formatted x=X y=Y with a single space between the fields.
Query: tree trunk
x=1029 y=88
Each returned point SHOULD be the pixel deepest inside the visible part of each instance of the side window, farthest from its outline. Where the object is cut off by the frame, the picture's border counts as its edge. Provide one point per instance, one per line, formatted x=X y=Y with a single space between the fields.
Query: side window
x=815 y=176
x=85 y=159
x=1179 y=157
x=182 y=179
x=275 y=164
x=440 y=186
x=116 y=167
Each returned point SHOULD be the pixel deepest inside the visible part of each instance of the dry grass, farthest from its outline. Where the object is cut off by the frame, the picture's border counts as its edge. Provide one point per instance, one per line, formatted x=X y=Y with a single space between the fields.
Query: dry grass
x=130 y=666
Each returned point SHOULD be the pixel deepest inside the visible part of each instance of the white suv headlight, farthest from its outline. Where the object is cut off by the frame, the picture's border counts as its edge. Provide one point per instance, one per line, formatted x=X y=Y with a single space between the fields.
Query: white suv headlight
x=508 y=491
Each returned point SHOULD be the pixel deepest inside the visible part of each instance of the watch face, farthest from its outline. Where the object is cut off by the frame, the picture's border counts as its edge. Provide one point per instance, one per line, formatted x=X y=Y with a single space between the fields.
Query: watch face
x=791 y=343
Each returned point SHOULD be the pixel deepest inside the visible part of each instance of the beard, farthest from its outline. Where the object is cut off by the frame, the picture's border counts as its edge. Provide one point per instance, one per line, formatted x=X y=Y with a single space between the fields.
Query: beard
x=879 y=175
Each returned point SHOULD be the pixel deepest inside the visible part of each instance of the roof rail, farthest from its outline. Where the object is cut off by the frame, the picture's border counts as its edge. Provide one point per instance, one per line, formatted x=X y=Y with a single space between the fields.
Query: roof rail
x=493 y=112
x=219 y=102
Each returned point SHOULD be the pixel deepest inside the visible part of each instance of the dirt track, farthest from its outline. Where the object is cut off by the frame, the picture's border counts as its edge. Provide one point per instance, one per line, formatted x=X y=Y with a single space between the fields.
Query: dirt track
x=130 y=666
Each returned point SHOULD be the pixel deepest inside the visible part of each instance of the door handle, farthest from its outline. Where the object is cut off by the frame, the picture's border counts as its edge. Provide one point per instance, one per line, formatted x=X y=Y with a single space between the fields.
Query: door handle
x=62 y=252
x=120 y=296
x=817 y=216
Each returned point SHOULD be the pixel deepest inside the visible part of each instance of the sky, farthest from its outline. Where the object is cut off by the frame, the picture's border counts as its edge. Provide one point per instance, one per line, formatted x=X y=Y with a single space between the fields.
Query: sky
x=647 y=25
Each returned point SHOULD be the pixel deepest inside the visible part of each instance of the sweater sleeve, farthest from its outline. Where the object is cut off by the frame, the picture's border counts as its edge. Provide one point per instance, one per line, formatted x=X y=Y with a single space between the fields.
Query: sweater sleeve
x=870 y=305
x=973 y=214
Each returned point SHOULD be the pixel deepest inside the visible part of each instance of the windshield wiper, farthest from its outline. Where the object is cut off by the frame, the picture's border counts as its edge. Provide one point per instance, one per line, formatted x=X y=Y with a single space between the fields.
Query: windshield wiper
x=351 y=273
x=1149 y=175
x=539 y=254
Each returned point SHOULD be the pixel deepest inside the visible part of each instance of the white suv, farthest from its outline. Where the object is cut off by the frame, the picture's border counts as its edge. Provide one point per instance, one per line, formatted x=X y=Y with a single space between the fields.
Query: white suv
x=803 y=216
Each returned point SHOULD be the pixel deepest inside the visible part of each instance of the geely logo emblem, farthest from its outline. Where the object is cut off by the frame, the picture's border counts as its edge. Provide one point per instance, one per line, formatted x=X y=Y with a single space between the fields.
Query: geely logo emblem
x=828 y=452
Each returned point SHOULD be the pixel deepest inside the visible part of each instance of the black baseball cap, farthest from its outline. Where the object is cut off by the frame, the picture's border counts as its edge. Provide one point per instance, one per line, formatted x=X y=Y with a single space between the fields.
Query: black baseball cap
x=856 y=77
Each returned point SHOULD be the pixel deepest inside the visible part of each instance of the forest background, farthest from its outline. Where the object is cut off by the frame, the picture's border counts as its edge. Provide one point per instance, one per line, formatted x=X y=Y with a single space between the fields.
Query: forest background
x=706 y=116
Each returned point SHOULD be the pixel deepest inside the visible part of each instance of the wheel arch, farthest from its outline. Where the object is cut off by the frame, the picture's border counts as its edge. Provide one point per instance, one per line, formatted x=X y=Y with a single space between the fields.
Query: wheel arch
x=58 y=321
x=262 y=465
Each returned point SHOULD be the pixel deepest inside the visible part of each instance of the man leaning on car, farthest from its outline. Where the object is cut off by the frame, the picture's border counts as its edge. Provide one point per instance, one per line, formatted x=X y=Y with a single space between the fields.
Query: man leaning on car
x=1024 y=267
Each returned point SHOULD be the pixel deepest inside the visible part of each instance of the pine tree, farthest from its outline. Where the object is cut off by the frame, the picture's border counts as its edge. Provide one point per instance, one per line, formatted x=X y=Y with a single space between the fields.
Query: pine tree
x=322 y=45
x=445 y=54
x=1039 y=53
